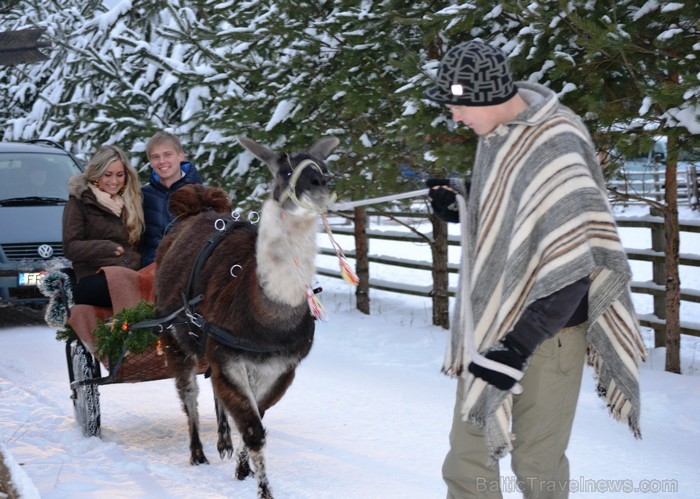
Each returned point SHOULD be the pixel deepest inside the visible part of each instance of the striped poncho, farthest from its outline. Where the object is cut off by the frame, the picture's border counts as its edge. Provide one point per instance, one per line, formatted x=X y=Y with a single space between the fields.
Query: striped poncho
x=538 y=220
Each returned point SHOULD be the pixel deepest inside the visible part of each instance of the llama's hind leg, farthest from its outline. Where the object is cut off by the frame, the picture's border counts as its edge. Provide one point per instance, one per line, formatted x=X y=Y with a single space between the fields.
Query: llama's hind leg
x=185 y=370
x=223 y=444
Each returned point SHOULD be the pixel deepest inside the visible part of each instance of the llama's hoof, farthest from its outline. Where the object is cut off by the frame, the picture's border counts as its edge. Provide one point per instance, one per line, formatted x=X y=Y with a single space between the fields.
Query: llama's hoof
x=264 y=491
x=243 y=470
x=225 y=450
x=198 y=458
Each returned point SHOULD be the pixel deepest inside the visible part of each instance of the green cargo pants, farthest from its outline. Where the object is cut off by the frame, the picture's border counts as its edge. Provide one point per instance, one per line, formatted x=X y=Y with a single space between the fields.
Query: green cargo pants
x=542 y=419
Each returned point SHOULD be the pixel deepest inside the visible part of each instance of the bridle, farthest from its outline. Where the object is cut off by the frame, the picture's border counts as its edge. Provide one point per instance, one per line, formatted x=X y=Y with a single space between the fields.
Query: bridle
x=290 y=191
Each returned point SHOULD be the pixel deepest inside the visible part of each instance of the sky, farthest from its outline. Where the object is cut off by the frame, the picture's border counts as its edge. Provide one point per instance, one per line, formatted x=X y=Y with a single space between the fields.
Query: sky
x=368 y=415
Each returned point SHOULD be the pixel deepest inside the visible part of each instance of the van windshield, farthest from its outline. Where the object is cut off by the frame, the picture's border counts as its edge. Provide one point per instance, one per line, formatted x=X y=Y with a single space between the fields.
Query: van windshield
x=35 y=175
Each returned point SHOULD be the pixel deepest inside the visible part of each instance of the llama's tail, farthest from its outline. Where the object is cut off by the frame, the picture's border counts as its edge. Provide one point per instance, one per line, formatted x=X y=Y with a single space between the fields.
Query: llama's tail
x=194 y=198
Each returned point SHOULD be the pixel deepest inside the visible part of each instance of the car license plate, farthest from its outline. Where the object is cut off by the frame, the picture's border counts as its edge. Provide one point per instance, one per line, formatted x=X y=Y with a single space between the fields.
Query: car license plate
x=29 y=278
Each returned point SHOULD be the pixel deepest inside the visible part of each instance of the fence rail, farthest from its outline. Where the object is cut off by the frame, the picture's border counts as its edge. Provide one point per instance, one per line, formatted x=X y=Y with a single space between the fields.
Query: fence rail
x=655 y=288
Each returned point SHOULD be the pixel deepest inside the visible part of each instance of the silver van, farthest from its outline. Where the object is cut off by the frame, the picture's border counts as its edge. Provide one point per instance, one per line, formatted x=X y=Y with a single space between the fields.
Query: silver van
x=33 y=192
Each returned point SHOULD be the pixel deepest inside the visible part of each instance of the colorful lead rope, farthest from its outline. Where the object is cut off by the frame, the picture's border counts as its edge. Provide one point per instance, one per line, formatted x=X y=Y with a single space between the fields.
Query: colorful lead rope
x=346 y=270
x=315 y=306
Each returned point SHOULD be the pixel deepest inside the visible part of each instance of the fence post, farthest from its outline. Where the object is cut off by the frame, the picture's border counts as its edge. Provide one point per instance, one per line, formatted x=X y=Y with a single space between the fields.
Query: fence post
x=693 y=187
x=438 y=248
x=362 y=260
x=658 y=243
x=656 y=168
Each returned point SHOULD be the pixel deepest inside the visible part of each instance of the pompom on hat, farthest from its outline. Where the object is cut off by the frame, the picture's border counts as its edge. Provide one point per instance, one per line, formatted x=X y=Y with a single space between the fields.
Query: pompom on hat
x=473 y=74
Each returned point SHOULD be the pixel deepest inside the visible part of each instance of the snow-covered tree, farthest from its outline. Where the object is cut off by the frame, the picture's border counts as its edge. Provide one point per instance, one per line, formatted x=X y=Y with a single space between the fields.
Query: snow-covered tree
x=118 y=76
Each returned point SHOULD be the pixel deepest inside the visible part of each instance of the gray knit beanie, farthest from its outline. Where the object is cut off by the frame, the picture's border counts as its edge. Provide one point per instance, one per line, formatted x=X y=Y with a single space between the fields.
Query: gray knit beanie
x=473 y=74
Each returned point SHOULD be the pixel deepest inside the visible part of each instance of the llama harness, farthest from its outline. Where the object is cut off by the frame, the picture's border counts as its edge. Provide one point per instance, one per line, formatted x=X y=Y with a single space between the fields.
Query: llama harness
x=190 y=300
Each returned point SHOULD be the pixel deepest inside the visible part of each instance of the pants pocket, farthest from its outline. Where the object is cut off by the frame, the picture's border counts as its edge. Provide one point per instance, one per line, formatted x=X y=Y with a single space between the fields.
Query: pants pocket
x=548 y=348
x=571 y=348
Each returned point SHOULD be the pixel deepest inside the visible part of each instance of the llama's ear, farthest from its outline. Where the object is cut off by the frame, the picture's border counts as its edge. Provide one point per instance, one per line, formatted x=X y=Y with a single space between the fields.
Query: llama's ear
x=260 y=151
x=323 y=147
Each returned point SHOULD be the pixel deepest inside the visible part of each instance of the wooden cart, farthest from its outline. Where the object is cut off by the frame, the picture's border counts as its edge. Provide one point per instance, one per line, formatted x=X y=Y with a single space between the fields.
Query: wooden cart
x=127 y=288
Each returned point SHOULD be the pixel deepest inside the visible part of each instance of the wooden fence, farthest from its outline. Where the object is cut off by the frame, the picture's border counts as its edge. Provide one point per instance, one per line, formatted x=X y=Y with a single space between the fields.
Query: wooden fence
x=655 y=255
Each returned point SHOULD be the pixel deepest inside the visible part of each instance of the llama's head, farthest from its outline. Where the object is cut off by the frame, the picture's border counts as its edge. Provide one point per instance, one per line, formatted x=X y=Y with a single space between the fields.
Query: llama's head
x=300 y=180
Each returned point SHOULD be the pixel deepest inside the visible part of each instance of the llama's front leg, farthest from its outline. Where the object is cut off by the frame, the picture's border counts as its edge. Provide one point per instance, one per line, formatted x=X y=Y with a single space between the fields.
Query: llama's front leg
x=243 y=470
x=235 y=393
x=185 y=370
x=223 y=444
x=273 y=395
x=275 y=392
x=258 y=458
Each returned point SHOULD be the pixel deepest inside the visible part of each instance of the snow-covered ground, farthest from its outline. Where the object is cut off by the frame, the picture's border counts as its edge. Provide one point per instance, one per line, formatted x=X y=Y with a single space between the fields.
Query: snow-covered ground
x=368 y=416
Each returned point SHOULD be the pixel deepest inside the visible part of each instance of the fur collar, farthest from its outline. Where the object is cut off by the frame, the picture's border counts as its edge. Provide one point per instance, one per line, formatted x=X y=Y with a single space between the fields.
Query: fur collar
x=78 y=185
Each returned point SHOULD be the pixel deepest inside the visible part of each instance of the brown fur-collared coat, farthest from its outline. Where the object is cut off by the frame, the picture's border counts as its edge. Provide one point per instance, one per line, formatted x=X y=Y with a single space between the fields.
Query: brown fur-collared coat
x=91 y=233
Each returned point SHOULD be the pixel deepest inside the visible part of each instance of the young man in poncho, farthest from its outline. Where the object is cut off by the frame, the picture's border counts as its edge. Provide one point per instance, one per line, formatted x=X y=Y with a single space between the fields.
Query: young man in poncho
x=544 y=281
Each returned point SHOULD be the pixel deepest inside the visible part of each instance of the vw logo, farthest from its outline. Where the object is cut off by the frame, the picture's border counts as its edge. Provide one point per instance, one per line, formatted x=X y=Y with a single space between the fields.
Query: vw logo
x=45 y=251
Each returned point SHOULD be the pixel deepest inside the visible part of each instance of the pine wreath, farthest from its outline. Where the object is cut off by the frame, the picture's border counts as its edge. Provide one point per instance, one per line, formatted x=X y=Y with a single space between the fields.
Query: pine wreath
x=111 y=335
x=66 y=334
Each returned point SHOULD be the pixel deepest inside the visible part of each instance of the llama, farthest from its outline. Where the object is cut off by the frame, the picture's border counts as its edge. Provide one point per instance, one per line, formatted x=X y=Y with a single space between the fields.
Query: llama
x=253 y=320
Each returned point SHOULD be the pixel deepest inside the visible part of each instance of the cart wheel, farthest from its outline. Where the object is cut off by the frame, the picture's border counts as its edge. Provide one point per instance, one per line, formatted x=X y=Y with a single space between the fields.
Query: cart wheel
x=86 y=398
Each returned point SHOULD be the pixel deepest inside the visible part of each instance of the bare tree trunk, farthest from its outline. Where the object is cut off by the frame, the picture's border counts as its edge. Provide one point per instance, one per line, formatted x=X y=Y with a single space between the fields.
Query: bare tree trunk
x=673 y=281
x=438 y=247
x=362 y=260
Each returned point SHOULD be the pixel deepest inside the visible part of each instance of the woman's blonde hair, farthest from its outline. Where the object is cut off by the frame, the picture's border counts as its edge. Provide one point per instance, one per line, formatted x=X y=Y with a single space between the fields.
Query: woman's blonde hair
x=131 y=192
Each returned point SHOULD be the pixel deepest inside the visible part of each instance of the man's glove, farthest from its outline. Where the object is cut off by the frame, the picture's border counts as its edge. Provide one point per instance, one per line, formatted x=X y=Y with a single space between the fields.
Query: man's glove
x=506 y=352
x=443 y=196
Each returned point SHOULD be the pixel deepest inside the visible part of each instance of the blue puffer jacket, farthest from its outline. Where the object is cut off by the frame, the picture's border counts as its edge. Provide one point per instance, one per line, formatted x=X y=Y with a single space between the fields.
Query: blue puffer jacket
x=155 y=208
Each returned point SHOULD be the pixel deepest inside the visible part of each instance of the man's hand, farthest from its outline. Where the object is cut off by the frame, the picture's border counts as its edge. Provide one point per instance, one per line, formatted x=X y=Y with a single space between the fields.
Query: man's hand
x=504 y=352
x=443 y=197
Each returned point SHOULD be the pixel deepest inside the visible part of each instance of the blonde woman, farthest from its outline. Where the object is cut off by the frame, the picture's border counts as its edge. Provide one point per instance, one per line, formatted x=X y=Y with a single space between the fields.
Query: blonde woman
x=102 y=223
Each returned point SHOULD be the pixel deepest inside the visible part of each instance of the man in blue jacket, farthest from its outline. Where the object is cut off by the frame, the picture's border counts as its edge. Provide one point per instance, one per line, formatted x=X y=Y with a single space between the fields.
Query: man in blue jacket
x=169 y=172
